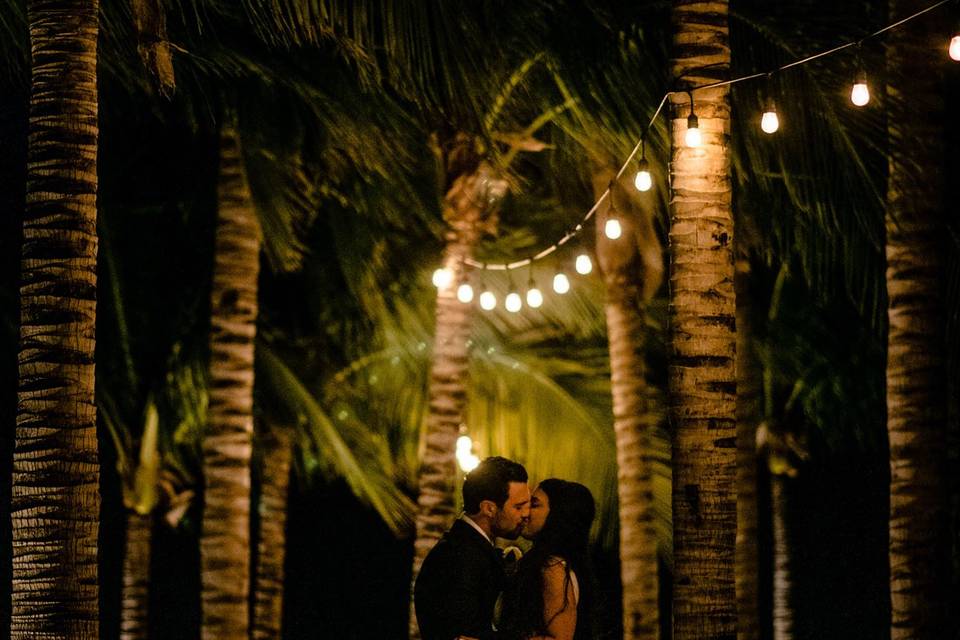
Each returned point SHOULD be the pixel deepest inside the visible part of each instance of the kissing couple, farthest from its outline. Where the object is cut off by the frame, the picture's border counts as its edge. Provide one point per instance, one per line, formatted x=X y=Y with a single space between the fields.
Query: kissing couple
x=464 y=590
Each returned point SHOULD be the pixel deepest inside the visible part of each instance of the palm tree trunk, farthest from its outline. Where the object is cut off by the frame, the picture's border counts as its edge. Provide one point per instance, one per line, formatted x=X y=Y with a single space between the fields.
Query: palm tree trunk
x=227 y=445
x=624 y=276
x=748 y=415
x=134 y=605
x=271 y=548
x=55 y=499
x=702 y=369
x=782 y=577
x=469 y=205
x=916 y=393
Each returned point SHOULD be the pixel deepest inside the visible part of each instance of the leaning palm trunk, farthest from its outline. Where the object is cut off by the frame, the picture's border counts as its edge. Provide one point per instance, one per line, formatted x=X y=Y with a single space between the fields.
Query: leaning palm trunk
x=748 y=416
x=627 y=280
x=134 y=604
x=469 y=206
x=55 y=499
x=916 y=400
x=702 y=373
x=271 y=547
x=227 y=445
x=782 y=577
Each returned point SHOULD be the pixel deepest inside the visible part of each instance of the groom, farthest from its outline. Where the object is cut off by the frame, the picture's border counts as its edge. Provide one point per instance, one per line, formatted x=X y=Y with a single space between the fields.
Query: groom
x=463 y=574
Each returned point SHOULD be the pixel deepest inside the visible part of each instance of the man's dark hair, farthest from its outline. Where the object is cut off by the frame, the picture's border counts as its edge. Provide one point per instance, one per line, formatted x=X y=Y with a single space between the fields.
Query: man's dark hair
x=491 y=481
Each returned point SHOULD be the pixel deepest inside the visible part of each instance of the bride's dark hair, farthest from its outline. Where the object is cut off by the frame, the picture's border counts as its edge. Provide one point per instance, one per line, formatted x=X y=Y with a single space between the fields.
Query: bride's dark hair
x=565 y=536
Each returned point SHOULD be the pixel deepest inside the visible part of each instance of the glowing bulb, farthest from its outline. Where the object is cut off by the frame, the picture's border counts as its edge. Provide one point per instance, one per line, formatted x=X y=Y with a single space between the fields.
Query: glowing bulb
x=465 y=293
x=561 y=284
x=693 y=138
x=442 y=278
x=612 y=229
x=534 y=298
x=860 y=94
x=513 y=302
x=488 y=301
x=769 y=122
x=955 y=47
x=583 y=264
x=643 y=180
x=464 y=444
x=468 y=462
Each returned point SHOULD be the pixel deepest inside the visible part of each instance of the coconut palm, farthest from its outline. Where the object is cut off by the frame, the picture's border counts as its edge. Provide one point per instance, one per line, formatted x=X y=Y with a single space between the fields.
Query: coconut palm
x=55 y=496
x=632 y=268
x=916 y=400
x=702 y=368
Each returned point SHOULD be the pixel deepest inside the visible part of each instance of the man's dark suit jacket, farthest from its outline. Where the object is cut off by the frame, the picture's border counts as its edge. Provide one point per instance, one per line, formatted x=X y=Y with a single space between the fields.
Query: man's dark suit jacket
x=458 y=585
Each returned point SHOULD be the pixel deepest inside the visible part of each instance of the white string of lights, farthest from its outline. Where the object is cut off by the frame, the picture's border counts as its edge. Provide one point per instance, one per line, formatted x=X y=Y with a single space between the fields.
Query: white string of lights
x=643 y=180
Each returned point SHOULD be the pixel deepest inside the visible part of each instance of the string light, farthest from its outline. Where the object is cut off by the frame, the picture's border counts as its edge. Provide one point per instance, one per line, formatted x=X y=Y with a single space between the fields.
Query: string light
x=693 y=138
x=513 y=303
x=442 y=278
x=534 y=296
x=488 y=300
x=770 y=121
x=465 y=293
x=612 y=228
x=643 y=180
x=583 y=264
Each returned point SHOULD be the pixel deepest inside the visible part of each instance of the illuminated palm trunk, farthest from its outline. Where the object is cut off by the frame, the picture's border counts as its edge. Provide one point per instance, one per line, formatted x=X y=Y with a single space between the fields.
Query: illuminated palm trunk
x=271 y=547
x=469 y=208
x=748 y=416
x=916 y=391
x=227 y=444
x=55 y=497
x=134 y=603
x=623 y=273
x=782 y=575
x=702 y=373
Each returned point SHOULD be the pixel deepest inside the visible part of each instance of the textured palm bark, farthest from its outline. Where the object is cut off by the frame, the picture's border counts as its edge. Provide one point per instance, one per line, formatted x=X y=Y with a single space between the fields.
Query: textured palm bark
x=702 y=375
x=468 y=207
x=916 y=391
x=626 y=280
x=227 y=444
x=134 y=605
x=271 y=547
x=748 y=416
x=55 y=498
x=782 y=577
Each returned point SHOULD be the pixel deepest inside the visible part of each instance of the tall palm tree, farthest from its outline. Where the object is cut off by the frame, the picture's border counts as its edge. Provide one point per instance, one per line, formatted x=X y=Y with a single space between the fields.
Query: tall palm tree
x=748 y=415
x=228 y=441
x=782 y=561
x=702 y=368
x=916 y=400
x=55 y=496
x=632 y=270
x=274 y=487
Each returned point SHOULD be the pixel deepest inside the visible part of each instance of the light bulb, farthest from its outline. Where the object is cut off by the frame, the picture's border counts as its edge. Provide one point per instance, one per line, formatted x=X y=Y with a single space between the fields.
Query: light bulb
x=468 y=461
x=583 y=264
x=488 y=301
x=612 y=229
x=955 y=47
x=513 y=302
x=561 y=283
x=464 y=444
x=534 y=297
x=442 y=278
x=643 y=180
x=693 y=138
x=465 y=293
x=769 y=122
x=860 y=94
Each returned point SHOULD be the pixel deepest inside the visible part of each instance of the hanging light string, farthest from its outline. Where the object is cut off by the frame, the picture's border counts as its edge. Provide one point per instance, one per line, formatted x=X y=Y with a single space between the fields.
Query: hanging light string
x=574 y=231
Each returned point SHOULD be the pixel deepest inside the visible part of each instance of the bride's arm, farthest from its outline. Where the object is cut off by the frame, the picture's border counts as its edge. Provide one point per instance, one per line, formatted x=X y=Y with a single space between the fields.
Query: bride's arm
x=559 y=604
